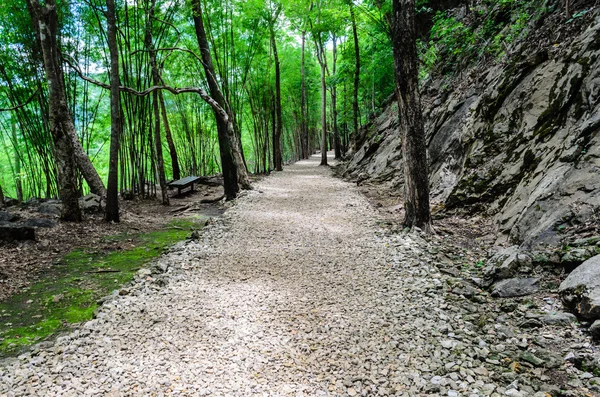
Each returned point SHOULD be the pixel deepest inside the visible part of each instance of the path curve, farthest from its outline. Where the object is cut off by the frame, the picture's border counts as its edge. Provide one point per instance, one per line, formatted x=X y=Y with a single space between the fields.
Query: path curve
x=296 y=291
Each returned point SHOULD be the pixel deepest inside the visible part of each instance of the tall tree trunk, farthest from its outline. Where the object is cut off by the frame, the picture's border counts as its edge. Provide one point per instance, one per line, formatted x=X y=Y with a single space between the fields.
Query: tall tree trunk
x=18 y=181
x=229 y=164
x=277 y=158
x=323 y=116
x=1 y=198
x=322 y=59
x=336 y=133
x=116 y=118
x=356 y=75
x=45 y=20
x=169 y=136
x=304 y=126
x=414 y=150
x=160 y=162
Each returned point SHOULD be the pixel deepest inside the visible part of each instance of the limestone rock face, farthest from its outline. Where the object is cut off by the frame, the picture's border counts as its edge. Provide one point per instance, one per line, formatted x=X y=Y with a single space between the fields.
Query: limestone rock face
x=522 y=143
x=581 y=289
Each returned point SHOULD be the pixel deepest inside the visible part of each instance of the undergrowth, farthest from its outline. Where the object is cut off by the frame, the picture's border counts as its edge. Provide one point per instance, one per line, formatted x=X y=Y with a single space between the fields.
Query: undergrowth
x=68 y=293
x=457 y=41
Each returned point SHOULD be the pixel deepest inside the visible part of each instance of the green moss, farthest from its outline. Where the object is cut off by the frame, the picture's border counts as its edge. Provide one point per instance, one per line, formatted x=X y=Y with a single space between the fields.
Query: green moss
x=68 y=293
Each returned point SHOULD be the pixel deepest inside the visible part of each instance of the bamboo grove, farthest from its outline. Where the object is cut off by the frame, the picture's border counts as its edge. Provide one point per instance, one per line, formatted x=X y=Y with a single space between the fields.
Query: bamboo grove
x=156 y=90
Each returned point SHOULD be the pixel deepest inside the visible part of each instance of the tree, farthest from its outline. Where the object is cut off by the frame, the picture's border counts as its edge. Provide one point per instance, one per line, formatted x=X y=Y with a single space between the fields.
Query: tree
x=116 y=123
x=320 y=36
x=414 y=149
x=277 y=159
x=229 y=162
x=160 y=164
x=45 y=21
x=356 y=71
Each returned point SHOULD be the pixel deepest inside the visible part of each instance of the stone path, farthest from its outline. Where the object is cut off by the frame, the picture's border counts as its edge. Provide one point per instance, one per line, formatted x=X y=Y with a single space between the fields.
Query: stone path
x=295 y=291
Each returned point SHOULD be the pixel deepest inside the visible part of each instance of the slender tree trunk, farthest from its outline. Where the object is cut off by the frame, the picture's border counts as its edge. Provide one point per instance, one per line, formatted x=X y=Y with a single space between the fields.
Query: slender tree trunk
x=1 y=198
x=323 y=116
x=169 y=136
x=116 y=118
x=414 y=150
x=336 y=133
x=18 y=181
x=45 y=20
x=229 y=164
x=277 y=158
x=304 y=126
x=356 y=75
x=160 y=163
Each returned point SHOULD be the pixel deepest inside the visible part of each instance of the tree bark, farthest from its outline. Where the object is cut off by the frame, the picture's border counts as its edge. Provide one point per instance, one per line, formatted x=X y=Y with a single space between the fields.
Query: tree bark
x=414 y=149
x=45 y=20
x=228 y=159
x=18 y=181
x=172 y=150
x=86 y=167
x=336 y=134
x=277 y=158
x=356 y=75
x=304 y=126
x=1 y=198
x=116 y=118
x=160 y=162
x=321 y=58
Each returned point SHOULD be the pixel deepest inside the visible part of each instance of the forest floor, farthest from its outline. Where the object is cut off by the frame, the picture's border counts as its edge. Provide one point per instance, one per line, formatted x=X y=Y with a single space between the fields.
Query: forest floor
x=51 y=284
x=24 y=262
x=304 y=288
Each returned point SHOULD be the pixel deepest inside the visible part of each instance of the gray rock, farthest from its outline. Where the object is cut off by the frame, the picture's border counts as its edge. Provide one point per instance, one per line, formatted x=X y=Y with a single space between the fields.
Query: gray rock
x=8 y=217
x=585 y=241
x=39 y=222
x=595 y=329
x=576 y=255
x=50 y=207
x=558 y=318
x=504 y=263
x=12 y=232
x=580 y=291
x=515 y=287
x=91 y=203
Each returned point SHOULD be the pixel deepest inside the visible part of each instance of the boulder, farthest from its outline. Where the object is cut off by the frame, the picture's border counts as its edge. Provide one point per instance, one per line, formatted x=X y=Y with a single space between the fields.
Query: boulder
x=52 y=207
x=558 y=318
x=39 y=222
x=506 y=263
x=580 y=291
x=12 y=232
x=512 y=287
x=595 y=329
x=91 y=203
x=6 y=216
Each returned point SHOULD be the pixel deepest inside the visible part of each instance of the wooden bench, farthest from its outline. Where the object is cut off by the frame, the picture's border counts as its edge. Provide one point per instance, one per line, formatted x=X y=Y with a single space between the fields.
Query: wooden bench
x=185 y=182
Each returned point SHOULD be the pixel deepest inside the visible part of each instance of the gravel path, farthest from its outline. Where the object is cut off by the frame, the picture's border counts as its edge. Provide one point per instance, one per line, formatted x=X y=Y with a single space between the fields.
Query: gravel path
x=296 y=291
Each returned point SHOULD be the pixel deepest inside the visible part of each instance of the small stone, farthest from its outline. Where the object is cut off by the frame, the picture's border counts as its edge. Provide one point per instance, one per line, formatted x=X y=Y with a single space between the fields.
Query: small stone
x=531 y=358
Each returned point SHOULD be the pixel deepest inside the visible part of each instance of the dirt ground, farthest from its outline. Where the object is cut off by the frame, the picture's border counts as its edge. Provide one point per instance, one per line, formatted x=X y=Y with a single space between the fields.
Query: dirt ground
x=22 y=262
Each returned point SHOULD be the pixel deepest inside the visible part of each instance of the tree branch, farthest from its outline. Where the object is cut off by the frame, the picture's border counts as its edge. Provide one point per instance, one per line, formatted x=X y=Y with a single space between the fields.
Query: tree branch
x=21 y=105
x=175 y=91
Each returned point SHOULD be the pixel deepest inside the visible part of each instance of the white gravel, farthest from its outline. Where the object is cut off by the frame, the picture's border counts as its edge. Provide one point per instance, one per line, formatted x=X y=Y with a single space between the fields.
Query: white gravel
x=296 y=291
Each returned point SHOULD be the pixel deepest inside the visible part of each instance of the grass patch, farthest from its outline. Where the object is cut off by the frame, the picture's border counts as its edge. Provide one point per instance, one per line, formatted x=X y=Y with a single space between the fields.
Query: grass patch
x=68 y=293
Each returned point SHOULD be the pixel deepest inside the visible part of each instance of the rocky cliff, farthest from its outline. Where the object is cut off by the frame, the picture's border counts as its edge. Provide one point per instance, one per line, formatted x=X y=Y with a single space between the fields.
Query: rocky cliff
x=517 y=139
